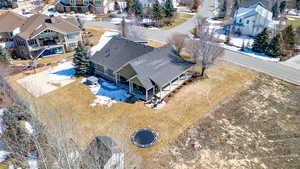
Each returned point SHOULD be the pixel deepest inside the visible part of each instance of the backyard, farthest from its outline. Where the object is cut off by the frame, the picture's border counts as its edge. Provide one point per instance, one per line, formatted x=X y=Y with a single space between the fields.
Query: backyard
x=257 y=128
x=120 y=120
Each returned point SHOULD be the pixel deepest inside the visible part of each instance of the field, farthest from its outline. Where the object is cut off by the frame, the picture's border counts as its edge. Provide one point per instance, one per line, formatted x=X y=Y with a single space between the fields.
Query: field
x=257 y=128
x=190 y=103
x=295 y=22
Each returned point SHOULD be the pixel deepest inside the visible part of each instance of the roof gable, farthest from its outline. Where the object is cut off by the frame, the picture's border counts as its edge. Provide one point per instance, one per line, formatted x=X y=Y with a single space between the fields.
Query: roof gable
x=118 y=52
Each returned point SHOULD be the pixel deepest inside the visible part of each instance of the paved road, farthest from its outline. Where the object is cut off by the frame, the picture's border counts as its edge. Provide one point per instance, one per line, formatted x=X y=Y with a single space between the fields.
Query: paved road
x=279 y=70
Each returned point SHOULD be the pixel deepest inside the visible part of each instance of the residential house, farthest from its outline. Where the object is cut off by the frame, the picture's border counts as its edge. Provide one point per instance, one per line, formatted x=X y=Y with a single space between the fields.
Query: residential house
x=108 y=154
x=40 y=35
x=143 y=70
x=80 y=6
x=10 y=21
x=8 y=4
x=252 y=20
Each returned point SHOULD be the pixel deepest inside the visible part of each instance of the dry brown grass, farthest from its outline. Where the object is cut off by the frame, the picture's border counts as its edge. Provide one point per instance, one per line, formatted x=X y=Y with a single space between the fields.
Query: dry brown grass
x=188 y=105
x=154 y=44
x=45 y=60
x=96 y=34
x=179 y=19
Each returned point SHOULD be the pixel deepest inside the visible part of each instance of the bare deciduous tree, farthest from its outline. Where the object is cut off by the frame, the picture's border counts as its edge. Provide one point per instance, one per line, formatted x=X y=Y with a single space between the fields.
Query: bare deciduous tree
x=178 y=41
x=204 y=49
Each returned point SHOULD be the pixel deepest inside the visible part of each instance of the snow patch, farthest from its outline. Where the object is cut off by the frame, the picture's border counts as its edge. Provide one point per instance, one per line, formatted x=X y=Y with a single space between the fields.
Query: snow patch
x=64 y=71
x=33 y=163
x=105 y=38
x=250 y=53
x=28 y=127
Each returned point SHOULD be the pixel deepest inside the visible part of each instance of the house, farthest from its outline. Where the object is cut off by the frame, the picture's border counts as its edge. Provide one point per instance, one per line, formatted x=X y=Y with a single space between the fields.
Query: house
x=80 y=6
x=8 y=4
x=40 y=35
x=143 y=70
x=12 y=22
x=252 y=20
x=108 y=154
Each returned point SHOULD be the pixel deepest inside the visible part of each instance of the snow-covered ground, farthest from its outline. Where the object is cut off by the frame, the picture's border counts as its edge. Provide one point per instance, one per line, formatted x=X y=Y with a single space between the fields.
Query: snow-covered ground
x=101 y=100
x=250 y=53
x=49 y=80
x=50 y=11
x=236 y=41
x=103 y=40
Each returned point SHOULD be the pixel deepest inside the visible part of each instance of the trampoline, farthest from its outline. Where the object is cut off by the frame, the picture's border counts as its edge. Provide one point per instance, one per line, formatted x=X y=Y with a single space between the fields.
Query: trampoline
x=144 y=138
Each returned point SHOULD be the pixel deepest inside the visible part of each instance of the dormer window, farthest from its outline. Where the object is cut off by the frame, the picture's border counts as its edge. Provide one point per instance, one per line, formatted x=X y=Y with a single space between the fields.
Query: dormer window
x=240 y=21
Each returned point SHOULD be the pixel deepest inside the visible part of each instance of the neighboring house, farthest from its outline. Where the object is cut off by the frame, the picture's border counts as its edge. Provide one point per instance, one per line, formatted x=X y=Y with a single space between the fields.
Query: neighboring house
x=80 y=6
x=10 y=21
x=108 y=154
x=8 y=4
x=252 y=20
x=143 y=70
x=41 y=35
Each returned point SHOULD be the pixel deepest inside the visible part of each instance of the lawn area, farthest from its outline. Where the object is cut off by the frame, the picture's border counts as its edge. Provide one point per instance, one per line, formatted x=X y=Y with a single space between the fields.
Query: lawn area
x=96 y=34
x=295 y=22
x=45 y=60
x=179 y=19
x=192 y=102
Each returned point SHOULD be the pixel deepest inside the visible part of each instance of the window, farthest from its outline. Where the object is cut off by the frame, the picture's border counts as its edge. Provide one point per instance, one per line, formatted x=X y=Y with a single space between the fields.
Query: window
x=73 y=45
x=72 y=36
x=248 y=21
x=240 y=20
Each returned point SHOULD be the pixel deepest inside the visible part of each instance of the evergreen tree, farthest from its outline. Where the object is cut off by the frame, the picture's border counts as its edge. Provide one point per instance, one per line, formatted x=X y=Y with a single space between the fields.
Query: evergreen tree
x=236 y=6
x=289 y=37
x=169 y=8
x=261 y=41
x=282 y=6
x=224 y=9
x=116 y=6
x=137 y=8
x=4 y=55
x=275 y=10
x=275 y=47
x=243 y=46
x=157 y=11
x=228 y=36
x=81 y=61
x=298 y=4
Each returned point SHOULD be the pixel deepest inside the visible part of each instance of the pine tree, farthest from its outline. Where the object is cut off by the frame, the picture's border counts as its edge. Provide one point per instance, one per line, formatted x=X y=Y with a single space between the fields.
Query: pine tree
x=275 y=47
x=169 y=8
x=157 y=11
x=137 y=8
x=261 y=41
x=289 y=37
x=298 y=4
x=275 y=10
x=228 y=37
x=81 y=61
x=224 y=9
x=116 y=6
x=236 y=6
x=282 y=6
x=4 y=55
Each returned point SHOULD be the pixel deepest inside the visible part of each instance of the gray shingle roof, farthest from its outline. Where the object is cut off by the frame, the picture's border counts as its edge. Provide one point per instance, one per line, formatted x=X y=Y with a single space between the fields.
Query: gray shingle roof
x=118 y=51
x=154 y=66
x=160 y=66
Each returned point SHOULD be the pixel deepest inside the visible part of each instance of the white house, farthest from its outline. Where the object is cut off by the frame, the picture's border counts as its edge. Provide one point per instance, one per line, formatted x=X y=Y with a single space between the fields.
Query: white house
x=252 y=20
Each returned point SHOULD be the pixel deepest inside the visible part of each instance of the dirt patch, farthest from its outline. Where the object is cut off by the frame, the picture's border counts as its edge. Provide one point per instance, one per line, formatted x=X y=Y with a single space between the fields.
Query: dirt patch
x=258 y=128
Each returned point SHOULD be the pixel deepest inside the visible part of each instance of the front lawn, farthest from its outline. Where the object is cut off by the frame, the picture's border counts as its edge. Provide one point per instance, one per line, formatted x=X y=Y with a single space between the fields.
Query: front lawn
x=179 y=19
